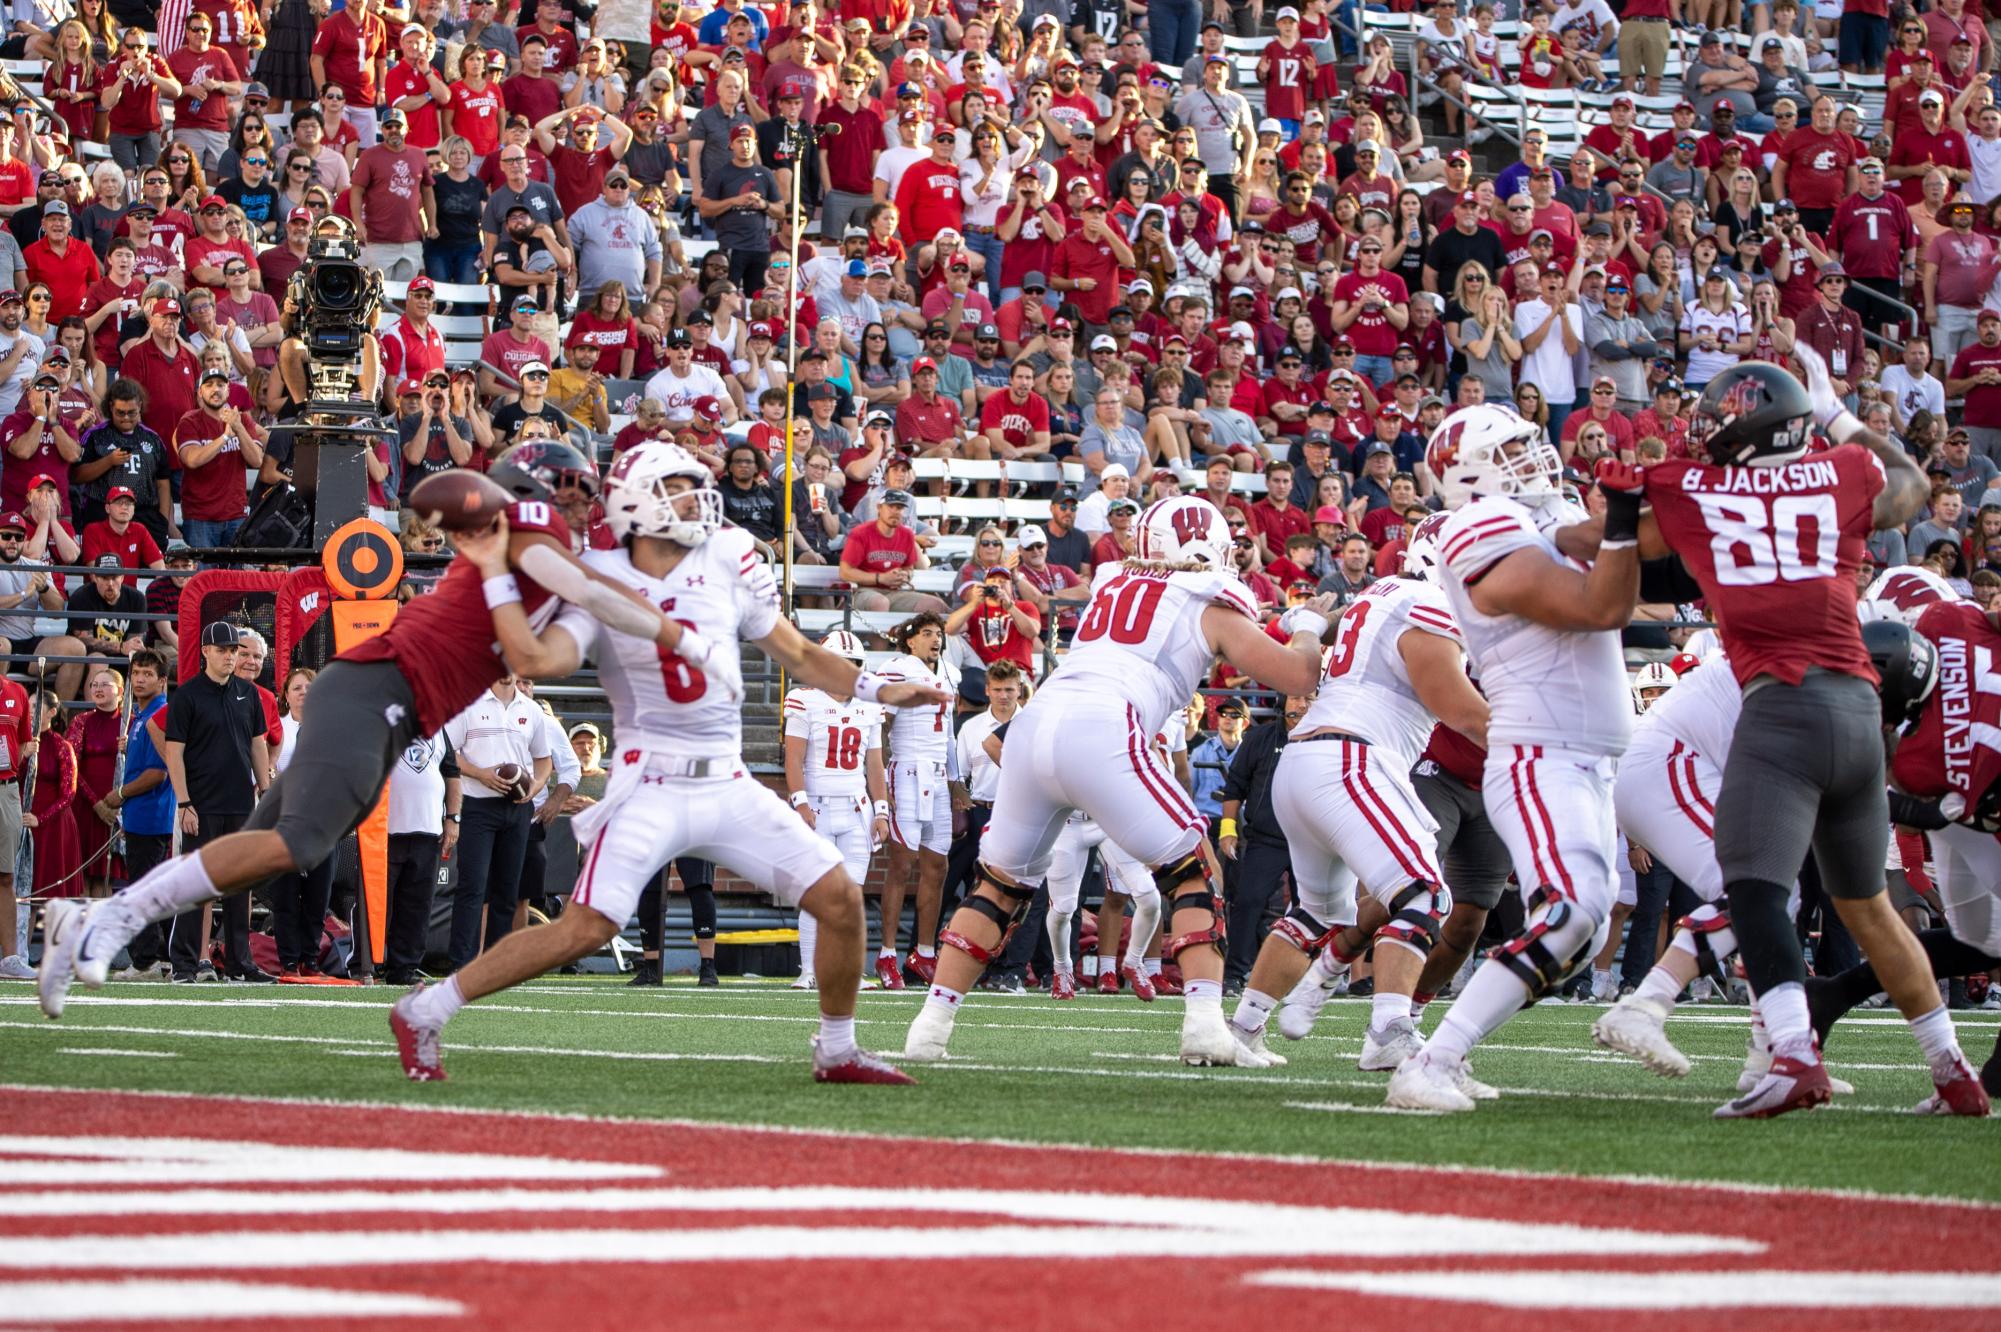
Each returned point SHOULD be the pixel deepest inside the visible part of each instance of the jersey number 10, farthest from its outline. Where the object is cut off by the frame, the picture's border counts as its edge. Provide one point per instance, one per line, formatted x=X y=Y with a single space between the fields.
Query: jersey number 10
x=1793 y=540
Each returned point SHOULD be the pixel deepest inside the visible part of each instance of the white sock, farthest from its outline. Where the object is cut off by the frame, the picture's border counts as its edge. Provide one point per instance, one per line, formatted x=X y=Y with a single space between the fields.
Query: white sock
x=1761 y=1039
x=809 y=936
x=1417 y=1007
x=435 y=1005
x=1253 y=1007
x=1600 y=978
x=1153 y=966
x=1057 y=926
x=1936 y=1036
x=1491 y=997
x=1327 y=968
x=177 y=886
x=1204 y=992
x=942 y=998
x=927 y=950
x=1146 y=921
x=1659 y=986
x=837 y=1035
x=1090 y=966
x=887 y=950
x=1385 y=1009
x=1786 y=1022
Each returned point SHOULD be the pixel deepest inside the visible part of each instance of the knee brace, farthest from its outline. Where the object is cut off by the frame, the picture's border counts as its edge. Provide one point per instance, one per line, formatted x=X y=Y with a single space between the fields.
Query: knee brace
x=1765 y=937
x=1004 y=918
x=1555 y=942
x=1415 y=914
x=1299 y=928
x=1709 y=929
x=1185 y=885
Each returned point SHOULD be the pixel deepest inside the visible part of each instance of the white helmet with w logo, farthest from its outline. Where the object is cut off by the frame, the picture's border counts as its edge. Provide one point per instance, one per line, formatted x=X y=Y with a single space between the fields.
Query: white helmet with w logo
x=1487 y=450
x=1420 y=553
x=1185 y=530
x=637 y=501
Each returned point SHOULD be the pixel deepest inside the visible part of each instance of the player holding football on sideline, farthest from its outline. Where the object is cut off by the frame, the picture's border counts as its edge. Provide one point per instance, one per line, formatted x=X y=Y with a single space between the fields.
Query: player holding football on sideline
x=1774 y=535
x=1949 y=786
x=1153 y=628
x=680 y=787
x=1543 y=636
x=921 y=769
x=434 y=660
x=833 y=770
x=1343 y=798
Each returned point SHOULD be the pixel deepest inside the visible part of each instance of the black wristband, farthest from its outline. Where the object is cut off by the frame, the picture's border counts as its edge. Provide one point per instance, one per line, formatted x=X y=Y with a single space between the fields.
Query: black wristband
x=1911 y=812
x=1622 y=517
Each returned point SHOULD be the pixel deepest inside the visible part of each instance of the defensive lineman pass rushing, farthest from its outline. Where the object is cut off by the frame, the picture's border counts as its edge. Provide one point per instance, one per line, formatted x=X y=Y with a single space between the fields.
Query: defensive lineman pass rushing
x=834 y=774
x=1153 y=627
x=1543 y=636
x=437 y=656
x=1343 y=796
x=1774 y=536
x=679 y=786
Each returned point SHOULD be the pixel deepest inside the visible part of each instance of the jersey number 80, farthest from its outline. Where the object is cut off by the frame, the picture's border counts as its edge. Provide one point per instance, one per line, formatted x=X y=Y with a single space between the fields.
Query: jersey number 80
x=1792 y=540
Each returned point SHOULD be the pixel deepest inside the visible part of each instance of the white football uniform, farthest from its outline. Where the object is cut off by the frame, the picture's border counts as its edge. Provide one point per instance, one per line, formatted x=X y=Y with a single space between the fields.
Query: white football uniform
x=1071 y=855
x=1669 y=777
x=1562 y=712
x=1344 y=798
x=678 y=785
x=920 y=749
x=1085 y=741
x=839 y=737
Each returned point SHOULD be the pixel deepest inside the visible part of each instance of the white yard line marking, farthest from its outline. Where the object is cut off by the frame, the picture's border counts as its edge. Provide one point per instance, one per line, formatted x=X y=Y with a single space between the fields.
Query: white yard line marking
x=141 y=1301
x=1348 y=1108
x=123 y=1054
x=1650 y=1291
x=86 y=1159
x=1473 y=1174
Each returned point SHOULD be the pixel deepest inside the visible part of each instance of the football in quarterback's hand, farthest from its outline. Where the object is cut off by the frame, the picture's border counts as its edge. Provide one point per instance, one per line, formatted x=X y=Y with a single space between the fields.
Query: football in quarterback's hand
x=459 y=501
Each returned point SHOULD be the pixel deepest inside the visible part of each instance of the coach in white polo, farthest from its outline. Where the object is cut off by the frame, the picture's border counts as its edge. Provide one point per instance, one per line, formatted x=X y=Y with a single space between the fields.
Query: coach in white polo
x=504 y=726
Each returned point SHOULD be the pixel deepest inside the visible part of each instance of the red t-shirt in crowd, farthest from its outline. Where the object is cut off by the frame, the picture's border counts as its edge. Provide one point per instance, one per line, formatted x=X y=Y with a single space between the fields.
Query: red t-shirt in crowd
x=1014 y=421
x=476 y=116
x=1372 y=333
x=200 y=110
x=1817 y=167
x=392 y=192
x=350 y=50
x=868 y=549
x=138 y=109
x=216 y=491
x=404 y=80
x=134 y=547
x=16 y=473
x=68 y=274
x=169 y=383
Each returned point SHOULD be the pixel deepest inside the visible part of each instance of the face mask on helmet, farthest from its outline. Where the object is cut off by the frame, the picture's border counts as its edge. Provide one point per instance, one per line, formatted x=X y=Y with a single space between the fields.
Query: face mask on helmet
x=1186 y=530
x=1488 y=451
x=1650 y=684
x=1751 y=415
x=1420 y=555
x=663 y=491
x=552 y=472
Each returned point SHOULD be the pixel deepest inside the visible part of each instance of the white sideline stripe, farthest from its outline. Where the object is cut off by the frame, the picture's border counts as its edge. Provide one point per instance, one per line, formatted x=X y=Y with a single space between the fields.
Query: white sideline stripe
x=1346 y=1108
x=127 y=1054
x=1663 y=1290
x=84 y=1159
x=1473 y=1174
x=468 y=1048
x=32 y=1302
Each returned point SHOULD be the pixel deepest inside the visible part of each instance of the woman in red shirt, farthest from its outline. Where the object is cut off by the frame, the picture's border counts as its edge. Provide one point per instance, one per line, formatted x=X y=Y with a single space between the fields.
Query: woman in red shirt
x=57 y=853
x=95 y=735
x=608 y=322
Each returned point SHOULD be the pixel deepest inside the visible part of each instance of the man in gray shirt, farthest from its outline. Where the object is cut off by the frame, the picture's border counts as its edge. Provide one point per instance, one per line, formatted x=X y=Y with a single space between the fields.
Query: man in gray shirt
x=1676 y=175
x=1226 y=133
x=1621 y=346
x=1719 y=75
x=614 y=239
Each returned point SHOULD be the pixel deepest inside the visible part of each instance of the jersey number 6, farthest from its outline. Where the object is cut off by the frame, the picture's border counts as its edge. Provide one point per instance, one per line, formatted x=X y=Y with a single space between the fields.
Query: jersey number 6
x=683 y=681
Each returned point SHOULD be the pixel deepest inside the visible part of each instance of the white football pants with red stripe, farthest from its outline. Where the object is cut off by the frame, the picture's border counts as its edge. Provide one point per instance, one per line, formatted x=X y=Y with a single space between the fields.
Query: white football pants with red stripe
x=1350 y=815
x=1096 y=758
x=1553 y=808
x=1666 y=799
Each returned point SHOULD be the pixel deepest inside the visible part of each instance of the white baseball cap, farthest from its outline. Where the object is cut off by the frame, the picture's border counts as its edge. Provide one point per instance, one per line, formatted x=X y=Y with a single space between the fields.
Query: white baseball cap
x=1242 y=332
x=1031 y=535
x=1114 y=469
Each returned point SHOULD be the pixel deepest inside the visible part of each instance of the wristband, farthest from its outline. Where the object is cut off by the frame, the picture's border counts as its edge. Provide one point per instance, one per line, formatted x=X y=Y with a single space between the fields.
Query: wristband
x=692 y=648
x=1844 y=426
x=868 y=687
x=1300 y=620
x=501 y=590
x=882 y=809
x=1622 y=519
x=798 y=798
x=1227 y=827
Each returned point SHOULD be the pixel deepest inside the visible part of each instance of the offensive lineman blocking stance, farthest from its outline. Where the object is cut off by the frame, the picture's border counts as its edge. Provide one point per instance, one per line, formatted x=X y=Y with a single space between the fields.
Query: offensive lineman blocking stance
x=680 y=787
x=377 y=697
x=1152 y=629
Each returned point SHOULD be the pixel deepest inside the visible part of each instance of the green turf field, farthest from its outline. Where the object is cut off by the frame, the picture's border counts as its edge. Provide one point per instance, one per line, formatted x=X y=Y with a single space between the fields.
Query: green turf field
x=1095 y=1071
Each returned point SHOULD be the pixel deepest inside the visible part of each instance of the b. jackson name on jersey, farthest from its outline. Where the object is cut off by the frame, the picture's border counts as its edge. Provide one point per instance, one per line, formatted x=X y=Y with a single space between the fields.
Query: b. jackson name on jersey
x=1808 y=474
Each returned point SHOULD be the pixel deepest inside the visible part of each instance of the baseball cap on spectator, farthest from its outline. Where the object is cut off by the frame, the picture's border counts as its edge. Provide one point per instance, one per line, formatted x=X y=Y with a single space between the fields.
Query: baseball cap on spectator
x=710 y=409
x=1173 y=338
x=526 y=304
x=960 y=264
x=880 y=418
x=743 y=132
x=1242 y=332
x=116 y=493
x=1119 y=312
x=409 y=388
x=1377 y=448
x=394 y=117
x=922 y=364
x=1030 y=535
x=1621 y=100
x=1986 y=315
x=218 y=634
x=1785 y=206
x=1114 y=469
x=254 y=89
x=986 y=333
x=534 y=368
x=214 y=202
x=1667 y=386
x=822 y=393
x=1317 y=408
x=1467 y=200
x=1625 y=201
x=1288 y=12
x=1831 y=269
x=586 y=728
x=679 y=338
x=1316 y=439
x=1872 y=164
x=13 y=522
x=900 y=498
x=421 y=283
x=55 y=208
x=1932 y=96
x=140 y=208
x=1140 y=284
x=1541 y=234
x=1066 y=495
x=761 y=330
x=1122 y=506
x=1207 y=60
x=1034 y=282
x=43 y=479
x=52 y=383
x=1327 y=513
x=58 y=355
x=1389 y=412
x=214 y=372
x=1270 y=125
x=856 y=268
x=1094 y=204
x=1711 y=37
x=1104 y=342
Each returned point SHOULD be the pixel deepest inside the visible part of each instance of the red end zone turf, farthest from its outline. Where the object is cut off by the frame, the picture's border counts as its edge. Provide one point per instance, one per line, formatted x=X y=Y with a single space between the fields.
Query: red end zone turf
x=471 y=1220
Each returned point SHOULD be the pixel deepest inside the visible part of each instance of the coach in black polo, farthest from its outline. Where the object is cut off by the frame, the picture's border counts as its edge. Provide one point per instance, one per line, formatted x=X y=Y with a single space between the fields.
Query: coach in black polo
x=219 y=764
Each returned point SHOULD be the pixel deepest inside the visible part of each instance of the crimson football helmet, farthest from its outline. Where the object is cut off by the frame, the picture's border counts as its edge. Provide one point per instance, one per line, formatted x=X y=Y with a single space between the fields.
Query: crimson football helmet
x=1755 y=414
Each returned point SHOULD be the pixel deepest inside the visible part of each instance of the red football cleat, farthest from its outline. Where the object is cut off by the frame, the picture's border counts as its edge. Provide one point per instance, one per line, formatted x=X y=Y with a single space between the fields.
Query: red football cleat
x=920 y=968
x=417 y=1046
x=1790 y=1084
x=858 y=1066
x=1139 y=981
x=887 y=974
x=1166 y=982
x=1108 y=982
x=1960 y=1094
x=1061 y=986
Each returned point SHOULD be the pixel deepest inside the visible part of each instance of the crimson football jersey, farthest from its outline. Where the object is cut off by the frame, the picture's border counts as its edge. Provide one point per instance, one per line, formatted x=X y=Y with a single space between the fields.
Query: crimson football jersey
x=444 y=642
x=1952 y=746
x=1776 y=550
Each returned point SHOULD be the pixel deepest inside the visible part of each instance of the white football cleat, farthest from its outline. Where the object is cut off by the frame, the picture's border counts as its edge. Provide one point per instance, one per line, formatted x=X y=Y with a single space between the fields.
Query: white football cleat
x=1604 y=987
x=15 y=967
x=1206 y=1040
x=1463 y=1079
x=804 y=982
x=1299 y=1010
x=60 y=922
x=111 y=925
x=1254 y=1041
x=1385 y=1052
x=1423 y=1082
x=930 y=1033
x=1638 y=1027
